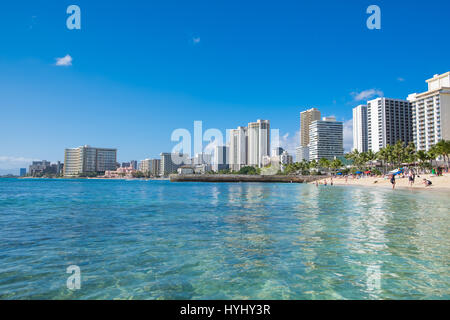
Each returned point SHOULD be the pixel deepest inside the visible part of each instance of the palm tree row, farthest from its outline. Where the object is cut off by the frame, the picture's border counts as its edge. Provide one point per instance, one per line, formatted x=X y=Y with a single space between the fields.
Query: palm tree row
x=391 y=156
x=398 y=154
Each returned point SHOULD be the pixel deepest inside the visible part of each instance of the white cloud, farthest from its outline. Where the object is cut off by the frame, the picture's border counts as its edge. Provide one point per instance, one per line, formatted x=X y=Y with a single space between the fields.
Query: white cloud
x=196 y=40
x=366 y=94
x=64 y=61
x=290 y=142
x=400 y=79
x=7 y=162
x=348 y=135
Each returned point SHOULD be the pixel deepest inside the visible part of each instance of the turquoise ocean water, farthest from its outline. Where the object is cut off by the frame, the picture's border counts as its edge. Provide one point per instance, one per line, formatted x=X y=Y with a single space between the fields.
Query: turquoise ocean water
x=161 y=240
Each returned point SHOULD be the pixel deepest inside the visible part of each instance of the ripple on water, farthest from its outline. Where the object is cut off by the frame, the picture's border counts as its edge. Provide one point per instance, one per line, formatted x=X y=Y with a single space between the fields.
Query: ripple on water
x=157 y=240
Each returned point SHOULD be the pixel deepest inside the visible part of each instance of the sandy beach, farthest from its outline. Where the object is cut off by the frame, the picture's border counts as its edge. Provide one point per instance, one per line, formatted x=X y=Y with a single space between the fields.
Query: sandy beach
x=441 y=183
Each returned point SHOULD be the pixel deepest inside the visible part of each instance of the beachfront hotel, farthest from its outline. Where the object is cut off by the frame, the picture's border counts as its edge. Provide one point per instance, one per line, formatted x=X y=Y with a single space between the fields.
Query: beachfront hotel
x=388 y=121
x=302 y=153
x=326 y=138
x=360 y=138
x=238 y=148
x=431 y=112
x=258 y=142
x=150 y=166
x=306 y=118
x=170 y=162
x=87 y=159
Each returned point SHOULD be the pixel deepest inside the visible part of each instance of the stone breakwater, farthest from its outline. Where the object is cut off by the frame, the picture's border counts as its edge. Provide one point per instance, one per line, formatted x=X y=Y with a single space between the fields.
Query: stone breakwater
x=242 y=178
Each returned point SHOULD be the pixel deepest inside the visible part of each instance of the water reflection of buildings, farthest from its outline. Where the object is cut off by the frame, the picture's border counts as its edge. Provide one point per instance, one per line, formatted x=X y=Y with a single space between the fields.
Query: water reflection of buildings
x=367 y=242
x=248 y=238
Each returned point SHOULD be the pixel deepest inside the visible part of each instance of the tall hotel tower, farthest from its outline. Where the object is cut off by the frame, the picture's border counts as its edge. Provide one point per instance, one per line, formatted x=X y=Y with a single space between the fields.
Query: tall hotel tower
x=306 y=118
x=326 y=139
x=88 y=159
x=388 y=121
x=238 y=148
x=431 y=112
x=360 y=140
x=258 y=142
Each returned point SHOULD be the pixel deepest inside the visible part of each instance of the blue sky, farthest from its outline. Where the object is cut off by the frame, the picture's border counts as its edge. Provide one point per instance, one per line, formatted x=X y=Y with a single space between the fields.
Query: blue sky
x=141 y=69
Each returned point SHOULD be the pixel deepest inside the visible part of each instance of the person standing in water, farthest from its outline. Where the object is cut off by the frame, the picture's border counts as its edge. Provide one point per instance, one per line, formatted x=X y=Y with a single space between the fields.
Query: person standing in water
x=393 y=181
x=411 y=178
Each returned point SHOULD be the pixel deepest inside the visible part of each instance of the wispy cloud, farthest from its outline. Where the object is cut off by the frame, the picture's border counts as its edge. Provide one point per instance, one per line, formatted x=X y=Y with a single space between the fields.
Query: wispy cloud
x=7 y=162
x=64 y=61
x=196 y=40
x=348 y=135
x=366 y=94
x=400 y=79
x=290 y=142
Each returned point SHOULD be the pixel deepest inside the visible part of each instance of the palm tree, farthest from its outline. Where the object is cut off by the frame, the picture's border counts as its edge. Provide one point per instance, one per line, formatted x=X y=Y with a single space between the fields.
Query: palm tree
x=398 y=153
x=336 y=164
x=443 y=149
x=385 y=155
x=422 y=156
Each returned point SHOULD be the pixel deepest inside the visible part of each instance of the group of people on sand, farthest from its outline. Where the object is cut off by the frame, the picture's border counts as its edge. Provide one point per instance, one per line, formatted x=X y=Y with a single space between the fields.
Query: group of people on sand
x=411 y=179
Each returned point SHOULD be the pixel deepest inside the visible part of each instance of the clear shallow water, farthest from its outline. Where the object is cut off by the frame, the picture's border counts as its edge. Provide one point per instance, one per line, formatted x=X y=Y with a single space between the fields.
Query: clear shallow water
x=160 y=240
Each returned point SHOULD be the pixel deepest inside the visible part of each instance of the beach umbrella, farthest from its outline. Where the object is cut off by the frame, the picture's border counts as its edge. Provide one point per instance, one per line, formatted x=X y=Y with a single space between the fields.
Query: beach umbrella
x=339 y=173
x=358 y=172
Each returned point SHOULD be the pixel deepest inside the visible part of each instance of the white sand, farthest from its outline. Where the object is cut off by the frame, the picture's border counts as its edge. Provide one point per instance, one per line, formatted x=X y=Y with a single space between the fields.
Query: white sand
x=439 y=183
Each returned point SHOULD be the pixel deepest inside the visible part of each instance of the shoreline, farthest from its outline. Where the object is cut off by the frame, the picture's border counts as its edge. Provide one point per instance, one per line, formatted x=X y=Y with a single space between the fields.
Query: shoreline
x=441 y=184
x=239 y=178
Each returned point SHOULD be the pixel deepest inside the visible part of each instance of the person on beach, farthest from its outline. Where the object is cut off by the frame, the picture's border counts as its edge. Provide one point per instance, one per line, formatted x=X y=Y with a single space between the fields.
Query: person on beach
x=393 y=181
x=427 y=183
x=325 y=183
x=411 y=178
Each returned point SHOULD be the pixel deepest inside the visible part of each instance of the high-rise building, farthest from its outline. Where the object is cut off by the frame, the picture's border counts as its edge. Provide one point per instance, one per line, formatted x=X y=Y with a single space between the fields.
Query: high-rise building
x=134 y=164
x=39 y=167
x=306 y=118
x=258 y=142
x=88 y=159
x=202 y=158
x=170 y=162
x=150 y=166
x=388 y=121
x=238 y=148
x=276 y=152
x=360 y=138
x=221 y=154
x=302 y=153
x=431 y=112
x=286 y=158
x=326 y=139
x=23 y=172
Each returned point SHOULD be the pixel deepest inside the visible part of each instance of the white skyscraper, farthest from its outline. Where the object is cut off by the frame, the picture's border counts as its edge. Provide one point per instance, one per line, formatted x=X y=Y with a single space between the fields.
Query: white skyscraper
x=221 y=154
x=431 y=112
x=360 y=140
x=258 y=142
x=238 y=148
x=388 y=121
x=326 y=139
